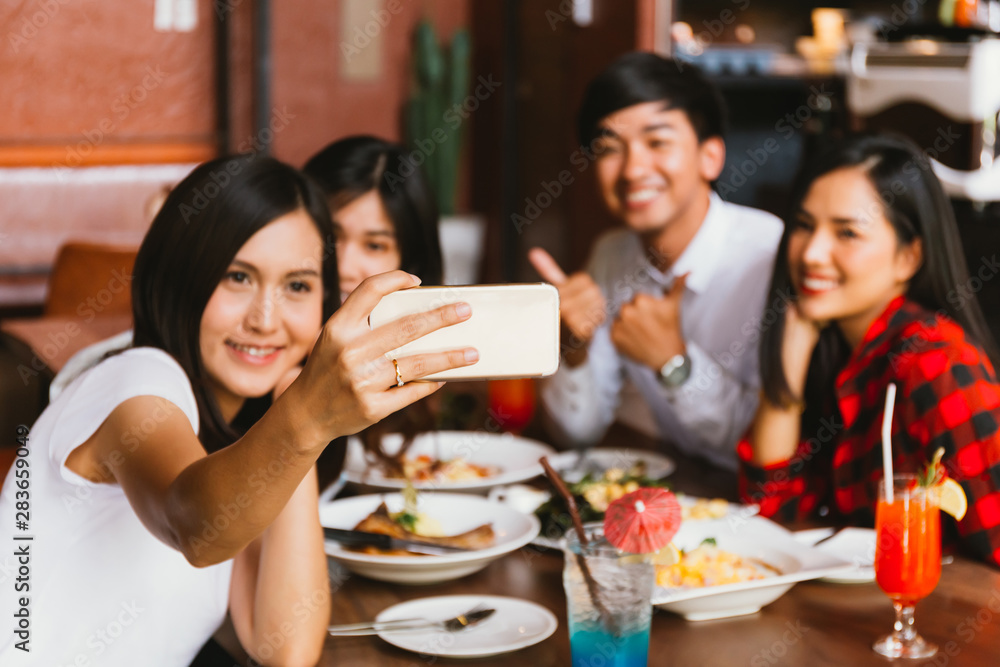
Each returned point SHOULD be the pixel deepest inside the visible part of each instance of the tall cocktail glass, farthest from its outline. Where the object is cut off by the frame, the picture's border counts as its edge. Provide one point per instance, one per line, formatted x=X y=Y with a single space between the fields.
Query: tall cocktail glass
x=608 y=604
x=907 y=560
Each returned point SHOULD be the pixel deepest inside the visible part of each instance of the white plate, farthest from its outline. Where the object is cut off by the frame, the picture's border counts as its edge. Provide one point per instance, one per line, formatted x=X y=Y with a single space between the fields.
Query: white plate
x=855 y=545
x=457 y=514
x=521 y=497
x=599 y=459
x=755 y=537
x=516 y=457
x=516 y=624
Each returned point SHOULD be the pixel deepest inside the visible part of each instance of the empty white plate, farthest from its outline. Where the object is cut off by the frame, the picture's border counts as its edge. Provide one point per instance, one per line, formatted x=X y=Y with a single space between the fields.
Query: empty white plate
x=854 y=545
x=857 y=546
x=516 y=624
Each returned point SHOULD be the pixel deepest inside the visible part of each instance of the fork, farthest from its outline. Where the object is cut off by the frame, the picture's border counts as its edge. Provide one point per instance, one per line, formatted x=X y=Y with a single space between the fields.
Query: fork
x=475 y=615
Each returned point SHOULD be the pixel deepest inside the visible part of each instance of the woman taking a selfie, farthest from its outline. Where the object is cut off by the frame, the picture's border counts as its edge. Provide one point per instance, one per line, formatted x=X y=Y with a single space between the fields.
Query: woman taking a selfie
x=151 y=513
x=872 y=258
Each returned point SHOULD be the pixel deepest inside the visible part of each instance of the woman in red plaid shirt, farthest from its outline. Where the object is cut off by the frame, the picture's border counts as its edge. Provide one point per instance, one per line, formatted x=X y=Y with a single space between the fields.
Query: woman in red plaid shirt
x=874 y=290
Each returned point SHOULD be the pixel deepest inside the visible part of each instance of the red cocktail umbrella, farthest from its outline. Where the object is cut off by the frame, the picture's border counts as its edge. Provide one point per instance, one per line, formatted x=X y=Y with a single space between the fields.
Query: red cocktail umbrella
x=643 y=521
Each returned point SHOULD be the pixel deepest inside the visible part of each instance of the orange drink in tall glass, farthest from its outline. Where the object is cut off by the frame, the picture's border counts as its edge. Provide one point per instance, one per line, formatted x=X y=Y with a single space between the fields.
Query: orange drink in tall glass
x=908 y=556
x=512 y=402
x=907 y=559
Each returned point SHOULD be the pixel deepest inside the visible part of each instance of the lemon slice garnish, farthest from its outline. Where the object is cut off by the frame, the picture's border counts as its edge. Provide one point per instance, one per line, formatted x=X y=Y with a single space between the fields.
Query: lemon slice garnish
x=668 y=555
x=951 y=498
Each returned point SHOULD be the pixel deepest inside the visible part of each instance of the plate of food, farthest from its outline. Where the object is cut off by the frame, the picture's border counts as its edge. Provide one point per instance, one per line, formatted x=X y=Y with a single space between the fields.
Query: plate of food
x=555 y=521
x=483 y=530
x=594 y=491
x=592 y=494
x=728 y=569
x=694 y=508
x=597 y=461
x=463 y=461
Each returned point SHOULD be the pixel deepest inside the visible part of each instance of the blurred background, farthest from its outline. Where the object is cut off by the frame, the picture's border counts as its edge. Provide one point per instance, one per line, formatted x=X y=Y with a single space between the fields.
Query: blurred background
x=108 y=103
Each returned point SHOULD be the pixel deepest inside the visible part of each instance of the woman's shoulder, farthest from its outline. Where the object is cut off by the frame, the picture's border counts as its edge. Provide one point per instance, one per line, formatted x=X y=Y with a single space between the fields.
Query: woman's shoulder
x=139 y=371
x=145 y=364
x=91 y=398
x=919 y=324
x=930 y=343
x=85 y=359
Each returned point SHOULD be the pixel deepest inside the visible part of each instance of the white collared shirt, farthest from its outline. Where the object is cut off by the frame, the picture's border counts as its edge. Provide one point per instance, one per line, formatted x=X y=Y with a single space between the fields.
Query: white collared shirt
x=722 y=319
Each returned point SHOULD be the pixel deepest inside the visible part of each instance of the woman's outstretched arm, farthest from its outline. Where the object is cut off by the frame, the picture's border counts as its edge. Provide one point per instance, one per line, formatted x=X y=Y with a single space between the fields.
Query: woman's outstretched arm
x=183 y=495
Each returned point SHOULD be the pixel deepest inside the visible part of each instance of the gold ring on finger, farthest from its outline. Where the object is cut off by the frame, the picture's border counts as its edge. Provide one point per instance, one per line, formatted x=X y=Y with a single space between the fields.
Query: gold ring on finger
x=399 y=378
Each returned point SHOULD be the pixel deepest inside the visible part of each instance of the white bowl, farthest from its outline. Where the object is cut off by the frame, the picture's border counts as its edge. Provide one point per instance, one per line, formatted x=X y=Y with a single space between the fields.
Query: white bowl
x=516 y=457
x=457 y=514
x=754 y=537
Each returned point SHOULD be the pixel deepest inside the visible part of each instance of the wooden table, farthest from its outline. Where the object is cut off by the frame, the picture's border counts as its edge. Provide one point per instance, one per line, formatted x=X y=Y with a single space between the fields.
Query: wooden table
x=813 y=624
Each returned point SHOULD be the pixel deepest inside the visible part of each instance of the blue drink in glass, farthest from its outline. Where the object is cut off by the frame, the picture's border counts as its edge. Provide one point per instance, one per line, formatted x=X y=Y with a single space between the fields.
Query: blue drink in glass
x=614 y=632
x=596 y=646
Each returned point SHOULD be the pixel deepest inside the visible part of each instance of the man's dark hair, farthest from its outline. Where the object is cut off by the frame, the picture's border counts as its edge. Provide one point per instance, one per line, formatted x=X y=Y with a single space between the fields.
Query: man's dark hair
x=640 y=77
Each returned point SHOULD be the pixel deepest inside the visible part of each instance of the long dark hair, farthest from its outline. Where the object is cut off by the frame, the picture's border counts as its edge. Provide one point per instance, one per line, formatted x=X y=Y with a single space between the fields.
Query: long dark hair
x=354 y=166
x=916 y=206
x=204 y=222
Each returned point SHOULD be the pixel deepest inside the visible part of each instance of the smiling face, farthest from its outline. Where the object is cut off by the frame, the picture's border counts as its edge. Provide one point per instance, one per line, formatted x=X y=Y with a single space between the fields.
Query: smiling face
x=366 y=241
x=845 y=259
x=266 y=312
x=651 y=169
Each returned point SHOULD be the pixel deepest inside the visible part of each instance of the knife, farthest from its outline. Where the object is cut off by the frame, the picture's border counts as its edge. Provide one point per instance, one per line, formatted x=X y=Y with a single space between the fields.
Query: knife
x=360 y=538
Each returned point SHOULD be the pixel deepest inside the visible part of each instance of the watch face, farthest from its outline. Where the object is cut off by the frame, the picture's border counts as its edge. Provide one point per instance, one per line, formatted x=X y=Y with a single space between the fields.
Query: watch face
x=675 y=371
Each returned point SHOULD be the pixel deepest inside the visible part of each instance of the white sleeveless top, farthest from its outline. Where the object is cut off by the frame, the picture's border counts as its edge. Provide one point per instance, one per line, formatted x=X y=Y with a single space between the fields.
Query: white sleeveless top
x=101 y=590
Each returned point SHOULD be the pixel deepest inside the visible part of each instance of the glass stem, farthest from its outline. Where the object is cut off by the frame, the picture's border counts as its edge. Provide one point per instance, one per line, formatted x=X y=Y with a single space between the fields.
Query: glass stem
x=903 y=628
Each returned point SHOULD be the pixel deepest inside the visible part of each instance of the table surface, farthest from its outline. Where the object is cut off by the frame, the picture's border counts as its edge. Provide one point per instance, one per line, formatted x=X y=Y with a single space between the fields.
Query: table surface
x=813 y=624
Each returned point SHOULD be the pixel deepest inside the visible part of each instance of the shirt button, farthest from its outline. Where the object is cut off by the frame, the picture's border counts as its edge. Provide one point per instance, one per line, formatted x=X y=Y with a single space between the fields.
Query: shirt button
x=824 y=510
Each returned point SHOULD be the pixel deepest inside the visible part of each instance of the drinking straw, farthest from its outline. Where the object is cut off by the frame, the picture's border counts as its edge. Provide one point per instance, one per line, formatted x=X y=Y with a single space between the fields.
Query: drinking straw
x=588 y=577
x=890 y=401
x=561 y=489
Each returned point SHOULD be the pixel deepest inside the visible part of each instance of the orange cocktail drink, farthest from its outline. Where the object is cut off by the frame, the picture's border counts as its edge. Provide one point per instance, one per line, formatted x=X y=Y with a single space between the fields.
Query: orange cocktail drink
x=908 y=550
x=907 y=559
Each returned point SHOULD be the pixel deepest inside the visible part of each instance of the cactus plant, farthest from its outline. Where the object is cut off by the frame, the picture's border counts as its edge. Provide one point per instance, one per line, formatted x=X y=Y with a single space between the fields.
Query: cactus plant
x=440 y=82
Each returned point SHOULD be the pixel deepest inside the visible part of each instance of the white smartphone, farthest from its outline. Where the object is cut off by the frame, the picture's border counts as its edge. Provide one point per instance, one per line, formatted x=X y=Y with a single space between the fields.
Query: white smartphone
x=514 y=327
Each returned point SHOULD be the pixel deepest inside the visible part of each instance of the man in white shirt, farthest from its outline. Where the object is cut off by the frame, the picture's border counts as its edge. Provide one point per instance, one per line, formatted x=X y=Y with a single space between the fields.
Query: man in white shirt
x=675 y=301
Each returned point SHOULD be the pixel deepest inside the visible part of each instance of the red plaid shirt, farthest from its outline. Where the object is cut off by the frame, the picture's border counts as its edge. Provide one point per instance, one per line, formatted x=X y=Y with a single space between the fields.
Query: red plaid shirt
x=947 y=396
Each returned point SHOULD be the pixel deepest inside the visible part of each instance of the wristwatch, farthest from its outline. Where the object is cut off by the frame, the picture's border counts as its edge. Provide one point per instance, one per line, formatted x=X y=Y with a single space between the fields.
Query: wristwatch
x=676 y=371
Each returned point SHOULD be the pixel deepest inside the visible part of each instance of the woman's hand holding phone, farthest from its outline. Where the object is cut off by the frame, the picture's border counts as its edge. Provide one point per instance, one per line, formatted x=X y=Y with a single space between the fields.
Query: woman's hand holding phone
x=349 y=381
